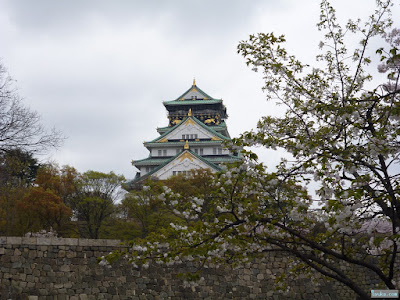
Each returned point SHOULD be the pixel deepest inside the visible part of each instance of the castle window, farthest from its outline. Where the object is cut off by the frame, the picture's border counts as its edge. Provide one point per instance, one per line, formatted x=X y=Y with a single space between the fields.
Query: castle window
x=159 y=152
x=164 y=152
x=201 y=151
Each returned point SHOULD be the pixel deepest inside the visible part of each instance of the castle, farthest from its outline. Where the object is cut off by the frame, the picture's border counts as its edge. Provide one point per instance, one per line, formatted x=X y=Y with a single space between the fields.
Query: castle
x=193 y=139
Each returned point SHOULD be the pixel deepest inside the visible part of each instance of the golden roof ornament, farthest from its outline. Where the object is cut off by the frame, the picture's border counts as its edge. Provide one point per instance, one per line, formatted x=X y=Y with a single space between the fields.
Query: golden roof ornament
x=194 y=81
x=190 y=112
x=186 y=147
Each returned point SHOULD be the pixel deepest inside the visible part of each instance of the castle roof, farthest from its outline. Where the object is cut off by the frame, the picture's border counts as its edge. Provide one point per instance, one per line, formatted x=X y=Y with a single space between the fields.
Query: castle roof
x=185 y=153
x=214 y=133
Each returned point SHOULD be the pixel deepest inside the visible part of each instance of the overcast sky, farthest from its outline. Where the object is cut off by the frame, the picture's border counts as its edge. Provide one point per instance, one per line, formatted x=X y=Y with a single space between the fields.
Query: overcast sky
x=99 y=70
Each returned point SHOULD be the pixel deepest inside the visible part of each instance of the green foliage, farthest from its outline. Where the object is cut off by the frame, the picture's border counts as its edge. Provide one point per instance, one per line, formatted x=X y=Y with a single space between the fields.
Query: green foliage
x=42 y=209
x=17 y=172
x=17 y=167
x=94 y=202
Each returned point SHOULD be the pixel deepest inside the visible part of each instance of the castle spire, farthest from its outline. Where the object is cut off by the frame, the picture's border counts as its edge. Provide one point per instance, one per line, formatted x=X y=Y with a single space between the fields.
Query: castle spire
x=194 y=81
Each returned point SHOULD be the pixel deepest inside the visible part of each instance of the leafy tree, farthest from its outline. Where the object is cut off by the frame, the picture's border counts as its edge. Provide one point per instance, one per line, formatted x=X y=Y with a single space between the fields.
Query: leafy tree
x=42 y=209
x=145 y=210
x=55 y=188
x=342 y=131
x=62 y=181
x=20 y=127
x=94 y=202
x=18 y=169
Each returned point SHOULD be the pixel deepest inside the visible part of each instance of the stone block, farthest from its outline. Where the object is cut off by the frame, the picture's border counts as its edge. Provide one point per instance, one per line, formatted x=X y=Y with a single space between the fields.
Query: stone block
x=260 y=276
x=71 y=254
x=59 y=286
x=57 y=241
x=113 y=243
x=97 y=244
x=29 y=241
x=16 y=265
x=65 y=268
x=44 y=241
x=47 y=268
x=62 y=296
x=84 y=242
x=14 y=240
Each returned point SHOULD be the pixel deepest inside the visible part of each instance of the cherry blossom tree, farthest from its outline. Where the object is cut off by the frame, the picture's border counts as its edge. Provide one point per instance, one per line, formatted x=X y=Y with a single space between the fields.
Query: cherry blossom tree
x=341 y=128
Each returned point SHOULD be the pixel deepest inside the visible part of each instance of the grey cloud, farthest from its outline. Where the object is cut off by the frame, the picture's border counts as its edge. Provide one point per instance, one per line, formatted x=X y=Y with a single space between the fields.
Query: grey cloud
x=184 y=17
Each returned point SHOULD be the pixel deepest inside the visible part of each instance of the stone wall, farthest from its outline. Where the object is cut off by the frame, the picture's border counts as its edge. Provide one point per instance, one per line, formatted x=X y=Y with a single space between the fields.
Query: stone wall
x=55 y=268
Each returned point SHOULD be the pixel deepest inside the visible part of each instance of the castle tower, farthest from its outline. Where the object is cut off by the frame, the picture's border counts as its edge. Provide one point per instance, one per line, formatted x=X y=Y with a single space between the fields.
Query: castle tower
x=193 y=138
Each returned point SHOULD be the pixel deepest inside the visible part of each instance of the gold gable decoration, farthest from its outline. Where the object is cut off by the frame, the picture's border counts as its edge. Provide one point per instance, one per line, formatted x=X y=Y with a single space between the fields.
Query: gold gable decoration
x=189 y=122
x=186 y=147
x=164 y=140
x=186 y=155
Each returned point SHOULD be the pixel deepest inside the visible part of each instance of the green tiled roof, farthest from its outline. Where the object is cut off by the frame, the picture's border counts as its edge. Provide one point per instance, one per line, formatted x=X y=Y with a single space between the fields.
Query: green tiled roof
x=179 y=143
x=155 y=161
x=162 y=130
x=194 y=88
x=150 y=161
x=212 y=165
x=208 y=128
x=190 y=102
x=222 y=159
x=221 y=126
